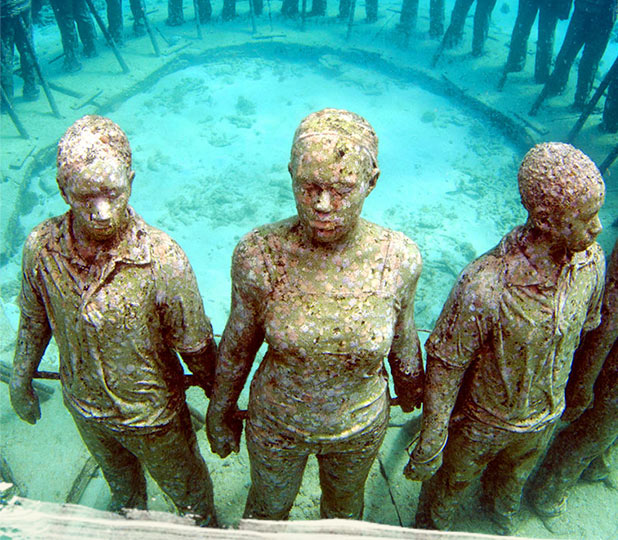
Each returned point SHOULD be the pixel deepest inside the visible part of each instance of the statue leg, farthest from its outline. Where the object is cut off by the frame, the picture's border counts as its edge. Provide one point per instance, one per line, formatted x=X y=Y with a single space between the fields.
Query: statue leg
x=573 y=450
x=120 y=467
x=114 y=21
x=175 y=14
x=8 y=51
x=504 y=479
x=471 y=446
x=482 y=16
x=436 y=18
x=85 y=27
x=545 y=43
x=343 y=472
x=610 y=110
x=526 y=15
x=598 y=34
x=572 y=44
x=139 y=26
x=277 y=466
x=66 y=24
x=173 y=459
x=454 y=32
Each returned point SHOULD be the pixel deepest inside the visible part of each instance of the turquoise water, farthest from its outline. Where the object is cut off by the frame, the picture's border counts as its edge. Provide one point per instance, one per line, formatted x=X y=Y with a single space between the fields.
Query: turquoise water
x=211 y=123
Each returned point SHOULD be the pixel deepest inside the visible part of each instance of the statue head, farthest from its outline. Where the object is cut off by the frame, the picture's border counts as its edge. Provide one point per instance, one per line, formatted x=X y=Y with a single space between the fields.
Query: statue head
x=94 y=176
x=563 y=191
x=334 y=167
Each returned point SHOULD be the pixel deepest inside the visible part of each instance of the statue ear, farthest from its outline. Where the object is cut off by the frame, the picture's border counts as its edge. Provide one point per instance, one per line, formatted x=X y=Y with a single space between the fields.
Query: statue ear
x=373 y=180
x=542 y=220
x=63 y=194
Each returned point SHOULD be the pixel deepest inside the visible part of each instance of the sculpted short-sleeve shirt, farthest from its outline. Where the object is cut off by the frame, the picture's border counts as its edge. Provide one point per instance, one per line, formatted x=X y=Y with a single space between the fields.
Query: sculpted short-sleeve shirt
x=516 y=334
x=329 y=323
x=118 y=324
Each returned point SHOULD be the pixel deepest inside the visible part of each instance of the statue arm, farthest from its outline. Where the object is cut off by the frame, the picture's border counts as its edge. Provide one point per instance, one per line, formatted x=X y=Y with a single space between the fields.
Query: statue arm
x=239 y=344
x=594 y=348
x=33 y=336
x=441 y=389
x=202 y=364
x=405 y=358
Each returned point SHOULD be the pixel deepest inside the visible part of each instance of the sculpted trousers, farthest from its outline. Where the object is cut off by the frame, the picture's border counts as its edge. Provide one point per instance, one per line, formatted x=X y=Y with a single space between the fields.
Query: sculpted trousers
x=581 y=442
x=526 y=15
x=409 y=15
x=69 y=13
x=12 y=36
x=170 y=455
x=482 y=15
x=505 y=459
x=591 y=32
x=278 y=462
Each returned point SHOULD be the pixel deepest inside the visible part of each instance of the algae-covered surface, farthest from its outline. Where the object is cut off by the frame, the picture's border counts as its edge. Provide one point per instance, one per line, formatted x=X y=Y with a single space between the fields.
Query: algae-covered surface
x=211 y=124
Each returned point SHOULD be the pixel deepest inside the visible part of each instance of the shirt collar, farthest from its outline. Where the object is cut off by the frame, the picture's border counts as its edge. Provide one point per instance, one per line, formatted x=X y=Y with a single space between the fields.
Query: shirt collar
x=519 y=271
x=132 y=249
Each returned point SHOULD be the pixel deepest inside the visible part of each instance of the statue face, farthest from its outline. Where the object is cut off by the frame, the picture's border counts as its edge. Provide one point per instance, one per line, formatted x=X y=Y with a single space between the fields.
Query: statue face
x=98 y=194
x=330 y=182
x=581 y=225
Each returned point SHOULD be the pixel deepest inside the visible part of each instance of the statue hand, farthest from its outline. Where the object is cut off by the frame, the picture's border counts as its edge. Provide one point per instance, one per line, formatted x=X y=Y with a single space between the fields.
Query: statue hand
x=577 y=402
x=224 y=431
x=409 y=397
x=24 y=400
x=421 y=471
x=572 y=413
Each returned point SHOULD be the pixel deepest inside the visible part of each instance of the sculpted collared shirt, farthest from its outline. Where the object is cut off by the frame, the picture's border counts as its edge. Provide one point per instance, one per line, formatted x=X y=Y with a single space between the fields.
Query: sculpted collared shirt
x=516 y=334
x=118 y=323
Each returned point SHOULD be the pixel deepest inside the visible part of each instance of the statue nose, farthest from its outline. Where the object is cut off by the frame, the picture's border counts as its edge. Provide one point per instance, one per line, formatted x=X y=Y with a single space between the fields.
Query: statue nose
x=323 y=202
x=102 y=210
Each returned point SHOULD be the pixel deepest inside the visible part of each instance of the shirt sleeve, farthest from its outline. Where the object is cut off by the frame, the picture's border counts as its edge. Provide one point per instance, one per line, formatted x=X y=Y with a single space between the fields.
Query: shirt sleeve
x=31 y=302
x=593 y=318
x=251 y=280
x=186 y=327
x=462 y=327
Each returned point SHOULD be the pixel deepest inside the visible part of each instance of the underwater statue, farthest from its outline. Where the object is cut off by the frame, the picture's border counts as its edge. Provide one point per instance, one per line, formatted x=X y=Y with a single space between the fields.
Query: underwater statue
x=74 y=19
x=121 y=300
x=332 y=296
x=500 y=354
x=15 y=31
x=590 y=28
x=549 y=12
x=454 y=33
x=175 y=11
x=580 y=447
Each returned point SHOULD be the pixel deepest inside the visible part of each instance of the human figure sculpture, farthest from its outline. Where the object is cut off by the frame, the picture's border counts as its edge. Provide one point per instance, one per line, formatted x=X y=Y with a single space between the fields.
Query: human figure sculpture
x=454 y=33
x=549 y=12
x=73 y=17
x=121 y=301
x=500 y=354
x=115 y=23
x=332 y=296
x=583 y=443
x=15 y=30
x=590 y=29
x=409 y=16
